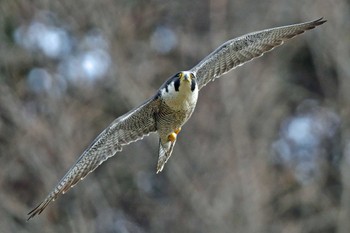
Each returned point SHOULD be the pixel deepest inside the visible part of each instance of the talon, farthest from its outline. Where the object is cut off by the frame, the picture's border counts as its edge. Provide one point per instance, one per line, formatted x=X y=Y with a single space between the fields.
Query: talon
x=177 y=131
x=172 y=137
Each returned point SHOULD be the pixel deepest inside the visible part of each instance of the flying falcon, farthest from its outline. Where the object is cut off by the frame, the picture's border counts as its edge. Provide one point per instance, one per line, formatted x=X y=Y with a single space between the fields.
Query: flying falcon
x=172 y=105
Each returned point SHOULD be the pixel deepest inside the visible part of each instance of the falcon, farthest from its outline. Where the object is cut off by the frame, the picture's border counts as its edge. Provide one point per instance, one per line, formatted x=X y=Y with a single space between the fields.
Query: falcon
x=172 y=105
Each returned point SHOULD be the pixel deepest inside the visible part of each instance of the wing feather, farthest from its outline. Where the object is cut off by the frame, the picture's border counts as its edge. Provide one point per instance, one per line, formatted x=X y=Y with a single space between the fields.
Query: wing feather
x=128 y=128
x=240 y=50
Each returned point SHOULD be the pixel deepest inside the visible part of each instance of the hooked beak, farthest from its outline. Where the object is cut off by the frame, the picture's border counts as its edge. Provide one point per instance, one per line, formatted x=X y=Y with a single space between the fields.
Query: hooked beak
x=187 y=78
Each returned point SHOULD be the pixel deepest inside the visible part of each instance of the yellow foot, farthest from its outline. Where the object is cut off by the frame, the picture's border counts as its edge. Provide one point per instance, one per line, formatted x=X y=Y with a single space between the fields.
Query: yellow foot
x=172 y=137
x=177 y=131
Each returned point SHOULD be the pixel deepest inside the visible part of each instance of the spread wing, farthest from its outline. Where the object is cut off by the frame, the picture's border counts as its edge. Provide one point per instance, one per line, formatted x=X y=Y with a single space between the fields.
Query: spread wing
x=240 y=50
x=128 y=128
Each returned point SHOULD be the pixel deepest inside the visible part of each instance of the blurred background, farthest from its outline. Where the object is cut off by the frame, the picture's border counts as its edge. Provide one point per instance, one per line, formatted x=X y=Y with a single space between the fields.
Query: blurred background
x=267 y=149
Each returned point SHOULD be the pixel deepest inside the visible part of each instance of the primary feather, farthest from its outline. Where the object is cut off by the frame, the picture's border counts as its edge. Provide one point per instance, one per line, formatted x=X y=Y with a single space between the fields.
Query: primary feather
x=128 y=128
x=240 y=50
x=173 y=105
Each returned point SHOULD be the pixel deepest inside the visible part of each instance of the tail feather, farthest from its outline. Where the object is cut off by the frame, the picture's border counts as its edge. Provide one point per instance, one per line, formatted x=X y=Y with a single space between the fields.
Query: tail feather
x=165 y=151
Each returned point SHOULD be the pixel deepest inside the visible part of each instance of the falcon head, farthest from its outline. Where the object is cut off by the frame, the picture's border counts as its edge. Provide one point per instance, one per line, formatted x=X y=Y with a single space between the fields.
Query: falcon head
x=182 y=81
x=180 y=89
x=186 y=79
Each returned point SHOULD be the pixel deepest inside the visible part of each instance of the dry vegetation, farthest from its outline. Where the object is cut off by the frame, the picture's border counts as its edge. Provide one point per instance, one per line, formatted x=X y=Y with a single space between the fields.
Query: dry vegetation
x=224 y=175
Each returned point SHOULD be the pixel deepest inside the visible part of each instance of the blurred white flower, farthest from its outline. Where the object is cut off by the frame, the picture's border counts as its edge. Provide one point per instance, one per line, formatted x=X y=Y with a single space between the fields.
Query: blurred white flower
x=87 y=66
x=302 y=140
x=299 y=130
x=39 y=80
x=85 y=60
x=95 y=63
x=163 y=39
x=53 y=41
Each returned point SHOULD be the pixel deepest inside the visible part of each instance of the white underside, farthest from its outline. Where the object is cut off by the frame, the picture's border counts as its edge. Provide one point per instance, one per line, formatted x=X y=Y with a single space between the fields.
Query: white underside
x=182 y=99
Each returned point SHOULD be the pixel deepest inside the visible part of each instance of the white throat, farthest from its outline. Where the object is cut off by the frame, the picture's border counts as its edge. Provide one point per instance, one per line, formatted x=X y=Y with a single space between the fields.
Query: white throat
x=182 y=99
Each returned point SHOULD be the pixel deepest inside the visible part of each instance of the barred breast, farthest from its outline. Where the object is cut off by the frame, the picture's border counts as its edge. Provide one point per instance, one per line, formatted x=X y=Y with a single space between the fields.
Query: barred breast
x=168 y=120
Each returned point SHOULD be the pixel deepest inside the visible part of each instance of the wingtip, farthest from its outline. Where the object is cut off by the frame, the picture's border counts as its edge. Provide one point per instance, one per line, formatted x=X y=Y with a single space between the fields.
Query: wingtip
x=320 y=21
x=314 y=23
x=30 y=217
x=36 y=211
x=40 y=208
x=32 y=214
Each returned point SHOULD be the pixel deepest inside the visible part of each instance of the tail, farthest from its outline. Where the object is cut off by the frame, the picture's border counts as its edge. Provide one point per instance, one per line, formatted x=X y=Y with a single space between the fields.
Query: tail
x=165 y=151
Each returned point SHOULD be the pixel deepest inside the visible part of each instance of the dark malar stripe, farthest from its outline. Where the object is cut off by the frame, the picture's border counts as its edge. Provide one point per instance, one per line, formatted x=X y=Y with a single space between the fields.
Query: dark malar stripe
x=177 y=84
x=193 y=84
